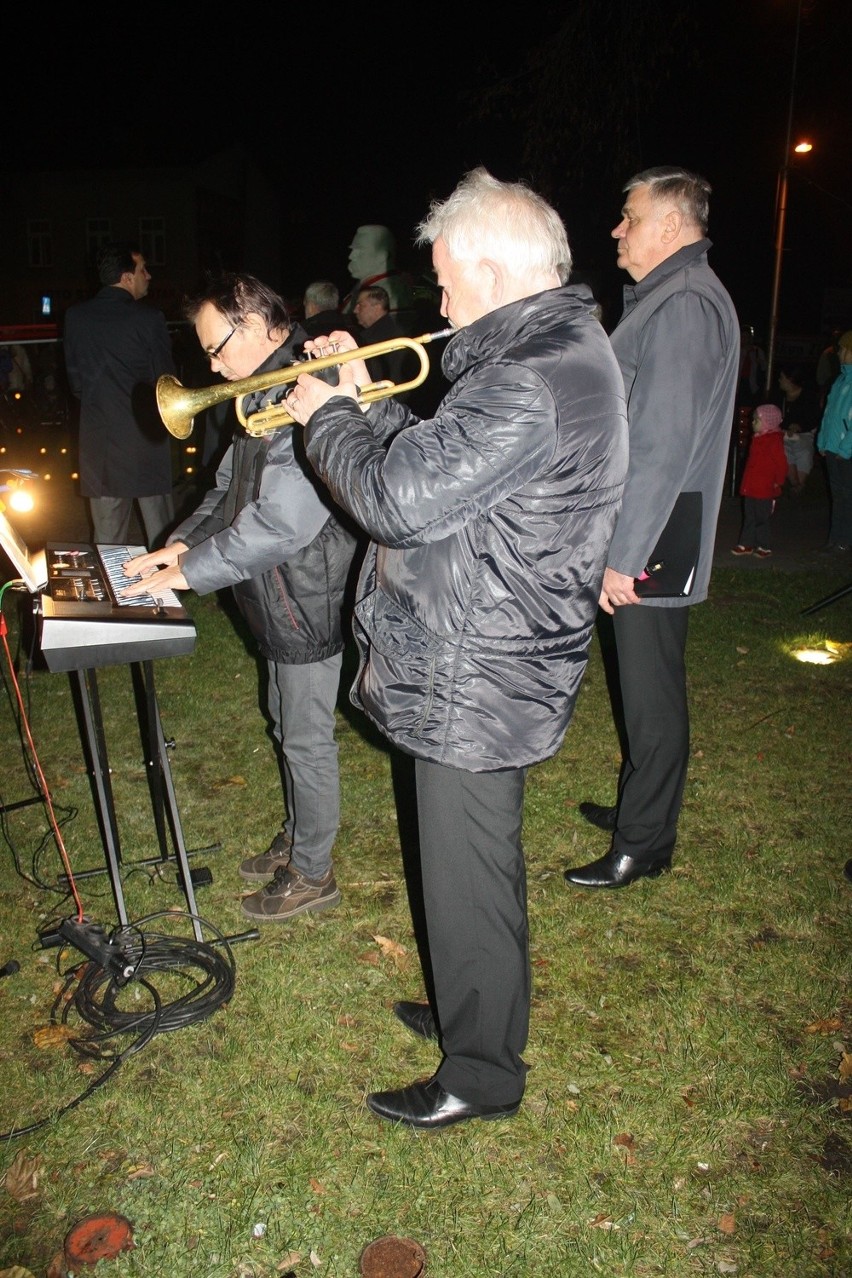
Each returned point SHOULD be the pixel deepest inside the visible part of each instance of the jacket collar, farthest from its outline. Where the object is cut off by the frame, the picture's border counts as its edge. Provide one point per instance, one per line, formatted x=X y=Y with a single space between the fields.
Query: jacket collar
x=690 y=253
x=516 y=322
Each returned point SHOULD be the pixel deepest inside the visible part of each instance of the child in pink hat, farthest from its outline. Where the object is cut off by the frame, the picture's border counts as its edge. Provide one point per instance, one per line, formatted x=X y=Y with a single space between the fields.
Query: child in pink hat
x=762 y=481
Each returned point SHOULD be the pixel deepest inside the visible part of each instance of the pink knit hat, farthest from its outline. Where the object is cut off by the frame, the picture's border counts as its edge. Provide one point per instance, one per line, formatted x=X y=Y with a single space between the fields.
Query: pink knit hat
x=770 y=415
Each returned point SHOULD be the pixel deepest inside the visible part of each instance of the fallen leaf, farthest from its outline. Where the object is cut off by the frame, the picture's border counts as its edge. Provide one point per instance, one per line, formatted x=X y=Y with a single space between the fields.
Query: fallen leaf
x=726 y=1223
x=625 y=1139
x=393 y=948
x=290 y=1261
x=22 y=1175
x=828 y=1025
x=53 y=1036
x=316 y=1186
x=726 y=1267
x=845 y=1066
x=315 y=1260
x=602 y=1221
x=141 y=1171
x=224 y=782
x=742 y=651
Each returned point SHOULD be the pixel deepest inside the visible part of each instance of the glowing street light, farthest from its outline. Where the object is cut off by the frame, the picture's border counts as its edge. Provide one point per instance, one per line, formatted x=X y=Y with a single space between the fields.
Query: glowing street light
x=781 y=209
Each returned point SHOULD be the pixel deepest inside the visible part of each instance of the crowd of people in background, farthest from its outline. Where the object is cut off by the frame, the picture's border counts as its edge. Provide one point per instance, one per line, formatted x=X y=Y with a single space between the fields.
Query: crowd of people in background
x=813 y=420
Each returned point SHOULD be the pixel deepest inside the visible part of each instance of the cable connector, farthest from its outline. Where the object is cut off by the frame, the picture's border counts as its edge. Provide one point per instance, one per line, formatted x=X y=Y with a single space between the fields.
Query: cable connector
x=91 y=939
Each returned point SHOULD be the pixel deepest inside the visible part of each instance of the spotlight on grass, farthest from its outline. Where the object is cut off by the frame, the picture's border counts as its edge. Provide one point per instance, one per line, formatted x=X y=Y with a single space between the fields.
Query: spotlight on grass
x=823 y=654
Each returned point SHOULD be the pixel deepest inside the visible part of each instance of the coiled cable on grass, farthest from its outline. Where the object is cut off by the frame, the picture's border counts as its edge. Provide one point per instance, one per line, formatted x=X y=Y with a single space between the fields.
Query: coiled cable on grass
x=210 y=971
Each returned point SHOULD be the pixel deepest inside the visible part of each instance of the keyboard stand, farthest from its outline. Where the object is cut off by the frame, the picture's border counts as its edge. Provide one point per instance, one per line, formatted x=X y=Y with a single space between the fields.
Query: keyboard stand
x=84 y=686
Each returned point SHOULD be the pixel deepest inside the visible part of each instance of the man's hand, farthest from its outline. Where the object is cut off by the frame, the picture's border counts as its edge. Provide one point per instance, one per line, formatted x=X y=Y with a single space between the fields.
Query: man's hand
x=144 y=565
x=309 y=393
x=156 y=583
x=616 y=591
x=153 y=582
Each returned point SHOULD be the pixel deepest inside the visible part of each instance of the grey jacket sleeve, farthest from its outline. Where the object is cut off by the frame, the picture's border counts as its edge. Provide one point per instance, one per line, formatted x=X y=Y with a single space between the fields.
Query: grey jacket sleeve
x=286 y=515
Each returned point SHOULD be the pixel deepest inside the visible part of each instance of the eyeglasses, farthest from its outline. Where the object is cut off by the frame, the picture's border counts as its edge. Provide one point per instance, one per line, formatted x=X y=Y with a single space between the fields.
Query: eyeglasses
x=217 y=350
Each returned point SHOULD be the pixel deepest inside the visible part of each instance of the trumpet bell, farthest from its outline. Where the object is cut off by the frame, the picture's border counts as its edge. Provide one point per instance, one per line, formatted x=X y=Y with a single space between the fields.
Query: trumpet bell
x=180 y=405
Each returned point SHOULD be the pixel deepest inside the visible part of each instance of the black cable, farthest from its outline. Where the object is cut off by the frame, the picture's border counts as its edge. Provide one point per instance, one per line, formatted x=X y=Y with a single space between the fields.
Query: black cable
x=96 y=999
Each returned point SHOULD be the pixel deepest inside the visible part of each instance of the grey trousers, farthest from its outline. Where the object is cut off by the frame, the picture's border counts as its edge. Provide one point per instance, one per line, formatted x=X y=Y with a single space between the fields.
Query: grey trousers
x=301 y=701
x=111 y=518
x=475 y=899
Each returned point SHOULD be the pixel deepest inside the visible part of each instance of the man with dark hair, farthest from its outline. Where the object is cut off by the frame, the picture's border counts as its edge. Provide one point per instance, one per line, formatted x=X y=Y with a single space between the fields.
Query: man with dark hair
x=678 y=346
x=271 y=532
x=373 y=313
x=116 y=347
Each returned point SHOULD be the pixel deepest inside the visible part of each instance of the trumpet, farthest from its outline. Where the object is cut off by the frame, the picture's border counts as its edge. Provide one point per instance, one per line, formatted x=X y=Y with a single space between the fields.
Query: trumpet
x=179 y=405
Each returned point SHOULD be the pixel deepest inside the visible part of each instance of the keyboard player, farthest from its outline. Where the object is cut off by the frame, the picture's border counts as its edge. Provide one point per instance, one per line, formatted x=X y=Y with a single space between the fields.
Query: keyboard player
x=270 y=532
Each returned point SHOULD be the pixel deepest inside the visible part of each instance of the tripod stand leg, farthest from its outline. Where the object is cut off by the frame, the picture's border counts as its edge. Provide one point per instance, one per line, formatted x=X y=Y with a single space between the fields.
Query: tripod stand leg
x=92 y=731
x=823 y=603
x=164 y=774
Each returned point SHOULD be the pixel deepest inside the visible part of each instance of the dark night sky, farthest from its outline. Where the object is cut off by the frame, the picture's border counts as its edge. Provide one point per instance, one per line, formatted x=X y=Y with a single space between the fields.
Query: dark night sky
x=360 y=118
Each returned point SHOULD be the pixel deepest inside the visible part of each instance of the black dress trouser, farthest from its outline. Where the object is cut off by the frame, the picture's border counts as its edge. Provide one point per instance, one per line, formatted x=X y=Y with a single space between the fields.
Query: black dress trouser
x=651 y=648
x=475 y=900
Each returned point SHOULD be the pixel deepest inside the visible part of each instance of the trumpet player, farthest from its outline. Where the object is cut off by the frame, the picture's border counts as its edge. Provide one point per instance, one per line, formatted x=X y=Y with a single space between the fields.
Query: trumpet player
x=477 y=600
x=272 y=533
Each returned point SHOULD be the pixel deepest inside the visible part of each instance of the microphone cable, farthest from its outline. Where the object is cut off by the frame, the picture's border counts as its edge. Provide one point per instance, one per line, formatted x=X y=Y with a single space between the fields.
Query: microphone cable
x=208 y=972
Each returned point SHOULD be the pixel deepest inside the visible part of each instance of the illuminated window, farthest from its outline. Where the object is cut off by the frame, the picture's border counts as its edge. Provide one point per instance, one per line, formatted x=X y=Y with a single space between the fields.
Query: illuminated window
x=40 y=242
x=98 y=233
x=152 y=240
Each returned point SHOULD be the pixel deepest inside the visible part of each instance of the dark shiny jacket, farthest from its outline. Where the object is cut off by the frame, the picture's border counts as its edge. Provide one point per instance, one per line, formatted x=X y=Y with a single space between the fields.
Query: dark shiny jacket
x=270 y=530
x=490 y=524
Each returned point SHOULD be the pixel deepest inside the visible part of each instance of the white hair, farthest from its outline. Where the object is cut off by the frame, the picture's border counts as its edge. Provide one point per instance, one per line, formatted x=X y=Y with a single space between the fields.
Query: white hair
x=505 y=221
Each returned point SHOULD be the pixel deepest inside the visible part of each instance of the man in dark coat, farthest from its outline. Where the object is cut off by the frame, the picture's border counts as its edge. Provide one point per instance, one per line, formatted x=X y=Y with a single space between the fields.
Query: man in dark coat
x=678 y=346
x=269 y=530
x=490 y=524
x=116 y=347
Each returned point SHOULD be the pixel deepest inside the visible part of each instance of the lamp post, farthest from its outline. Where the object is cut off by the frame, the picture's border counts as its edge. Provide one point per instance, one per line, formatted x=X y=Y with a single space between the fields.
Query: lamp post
x=780 y=223
x=781 y=211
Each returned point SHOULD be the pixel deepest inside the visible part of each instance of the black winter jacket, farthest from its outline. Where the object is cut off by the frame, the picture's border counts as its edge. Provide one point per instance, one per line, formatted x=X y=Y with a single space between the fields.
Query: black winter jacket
x=490 y=523
x=270 y=530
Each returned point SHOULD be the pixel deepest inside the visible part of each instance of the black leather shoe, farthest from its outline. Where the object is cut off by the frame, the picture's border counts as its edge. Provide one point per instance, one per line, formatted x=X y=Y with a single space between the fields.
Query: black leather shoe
x=597 y=814
x=616 y=870
x=418 y=1018
x=428 y=1105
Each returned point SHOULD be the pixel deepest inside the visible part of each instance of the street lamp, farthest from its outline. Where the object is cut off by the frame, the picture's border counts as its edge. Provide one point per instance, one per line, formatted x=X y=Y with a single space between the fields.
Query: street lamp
x=781 y=210
x=801 y=148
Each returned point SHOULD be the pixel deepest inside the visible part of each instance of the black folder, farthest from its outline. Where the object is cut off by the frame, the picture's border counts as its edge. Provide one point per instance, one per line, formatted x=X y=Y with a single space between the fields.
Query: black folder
x=670 y=570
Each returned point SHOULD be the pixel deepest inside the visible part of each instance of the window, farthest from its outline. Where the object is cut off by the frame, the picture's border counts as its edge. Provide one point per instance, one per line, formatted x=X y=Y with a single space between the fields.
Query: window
x=152 y=240
x=98 y=233
x=40 y=242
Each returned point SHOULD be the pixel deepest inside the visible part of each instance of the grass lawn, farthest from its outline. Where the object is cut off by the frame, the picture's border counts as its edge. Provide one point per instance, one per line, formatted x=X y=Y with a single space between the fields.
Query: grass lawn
x=689 y=1099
